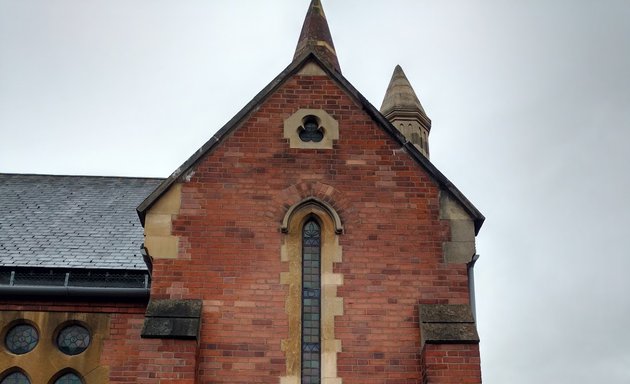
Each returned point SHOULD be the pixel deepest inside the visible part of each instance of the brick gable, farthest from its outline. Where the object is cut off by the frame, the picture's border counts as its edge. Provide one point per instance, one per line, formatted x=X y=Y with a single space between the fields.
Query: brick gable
x=232 y=205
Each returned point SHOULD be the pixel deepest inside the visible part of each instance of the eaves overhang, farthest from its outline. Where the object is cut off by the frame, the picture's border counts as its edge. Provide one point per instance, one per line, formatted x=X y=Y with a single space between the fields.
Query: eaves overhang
x=78 y=283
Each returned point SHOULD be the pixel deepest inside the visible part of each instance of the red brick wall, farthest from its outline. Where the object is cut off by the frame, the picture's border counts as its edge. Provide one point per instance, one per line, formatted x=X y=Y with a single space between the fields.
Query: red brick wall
x=452 y=363
x=135 y=360
x=232 y=208
x=130 y=358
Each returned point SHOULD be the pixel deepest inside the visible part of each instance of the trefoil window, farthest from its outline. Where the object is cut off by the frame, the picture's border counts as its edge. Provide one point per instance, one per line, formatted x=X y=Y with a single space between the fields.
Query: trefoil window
x=310 y=130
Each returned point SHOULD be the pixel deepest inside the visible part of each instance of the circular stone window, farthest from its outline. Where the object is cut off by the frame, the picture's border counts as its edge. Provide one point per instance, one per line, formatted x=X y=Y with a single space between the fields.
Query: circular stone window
x=15 y=378
x=21 y=339
x=69 y=378
x=73 y=340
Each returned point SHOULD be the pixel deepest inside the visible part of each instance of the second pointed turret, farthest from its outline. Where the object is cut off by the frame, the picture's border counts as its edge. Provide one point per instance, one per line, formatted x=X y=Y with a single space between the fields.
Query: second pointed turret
x=403 y=109
x=316 y=37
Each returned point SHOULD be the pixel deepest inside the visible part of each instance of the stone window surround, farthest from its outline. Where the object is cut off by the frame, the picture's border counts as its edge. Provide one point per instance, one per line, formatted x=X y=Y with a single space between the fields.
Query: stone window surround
x=11 y=371
x=332 y=306
x=7 y=330
x=48 y=324
x=65 y=372
x=327 y=123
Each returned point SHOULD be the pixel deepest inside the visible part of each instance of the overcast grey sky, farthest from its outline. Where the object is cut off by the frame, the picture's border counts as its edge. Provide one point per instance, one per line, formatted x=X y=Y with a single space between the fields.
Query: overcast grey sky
x=530 y=102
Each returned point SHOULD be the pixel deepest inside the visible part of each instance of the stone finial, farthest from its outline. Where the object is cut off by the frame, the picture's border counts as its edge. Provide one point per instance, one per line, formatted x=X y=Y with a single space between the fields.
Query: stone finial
x=315 y=36
x=402 y=108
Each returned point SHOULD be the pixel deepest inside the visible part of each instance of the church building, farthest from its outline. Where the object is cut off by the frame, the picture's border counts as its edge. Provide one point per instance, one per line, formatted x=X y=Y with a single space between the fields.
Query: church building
x=310 y=240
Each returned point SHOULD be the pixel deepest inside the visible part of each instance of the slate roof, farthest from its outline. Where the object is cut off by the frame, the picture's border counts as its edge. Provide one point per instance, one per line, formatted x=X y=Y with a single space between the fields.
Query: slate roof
x=82 y=222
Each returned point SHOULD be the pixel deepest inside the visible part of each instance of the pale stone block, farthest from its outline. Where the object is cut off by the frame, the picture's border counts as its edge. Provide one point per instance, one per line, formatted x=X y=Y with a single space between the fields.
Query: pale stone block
x=329 y=364
x=170 y=202
x=311 y=69
x=158 y=224
x=338 y=253
x=451 y=209
x=334 y=306
x=462 y=230
x=290 y=380
x=332 y=279
x=162 y=247
x=459 y=252
x=284 y=254
x=285 y=278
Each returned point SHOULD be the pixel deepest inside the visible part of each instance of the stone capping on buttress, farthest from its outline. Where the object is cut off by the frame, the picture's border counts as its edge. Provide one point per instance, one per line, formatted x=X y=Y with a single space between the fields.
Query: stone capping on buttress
x=447 y=324
x=172 y=319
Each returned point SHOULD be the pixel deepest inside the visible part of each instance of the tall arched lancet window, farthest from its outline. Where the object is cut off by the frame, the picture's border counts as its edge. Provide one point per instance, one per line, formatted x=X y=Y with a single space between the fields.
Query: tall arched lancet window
x=311 y=249
x=311 y=302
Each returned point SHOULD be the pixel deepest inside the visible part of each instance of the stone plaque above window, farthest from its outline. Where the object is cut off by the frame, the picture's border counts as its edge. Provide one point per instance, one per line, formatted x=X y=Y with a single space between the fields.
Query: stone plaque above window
x=311 y=129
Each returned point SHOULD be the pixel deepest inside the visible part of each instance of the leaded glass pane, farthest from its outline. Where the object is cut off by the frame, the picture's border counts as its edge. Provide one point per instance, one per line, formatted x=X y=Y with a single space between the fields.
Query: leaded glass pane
x=69 y=378
x=311 y=131
x=21 y=339
x=73 y=340
x=15 y=378
x=311 y=303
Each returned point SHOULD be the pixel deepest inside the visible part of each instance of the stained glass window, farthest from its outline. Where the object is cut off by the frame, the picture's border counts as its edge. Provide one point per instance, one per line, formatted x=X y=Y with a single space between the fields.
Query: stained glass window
x=311 y=303
x=15 y=378
x=311 y=131
x=21 y=339
x=73 y=340
x=69 y=378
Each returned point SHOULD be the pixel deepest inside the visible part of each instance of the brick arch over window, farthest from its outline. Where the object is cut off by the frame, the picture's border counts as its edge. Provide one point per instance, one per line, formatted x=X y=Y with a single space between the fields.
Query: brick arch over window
x=296 y=195
x=331 y=253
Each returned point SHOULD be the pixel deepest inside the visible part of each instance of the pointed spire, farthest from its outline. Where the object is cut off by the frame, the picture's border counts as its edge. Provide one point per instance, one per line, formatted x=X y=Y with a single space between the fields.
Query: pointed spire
x=403 y=109
x=400 y=94
x=316 y=36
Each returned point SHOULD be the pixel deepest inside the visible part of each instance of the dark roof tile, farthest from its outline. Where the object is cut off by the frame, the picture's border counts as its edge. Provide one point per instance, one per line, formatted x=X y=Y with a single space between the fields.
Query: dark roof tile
x=72 y=221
